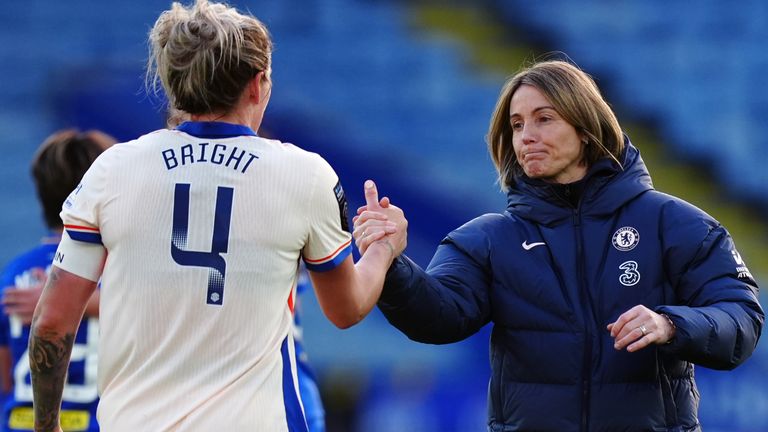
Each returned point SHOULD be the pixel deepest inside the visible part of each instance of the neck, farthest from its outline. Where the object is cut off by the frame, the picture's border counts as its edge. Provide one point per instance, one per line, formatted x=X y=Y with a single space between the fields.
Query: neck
x=233 y=117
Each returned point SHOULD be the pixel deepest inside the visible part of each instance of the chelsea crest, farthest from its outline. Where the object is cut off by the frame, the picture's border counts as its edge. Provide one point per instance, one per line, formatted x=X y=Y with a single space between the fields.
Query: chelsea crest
x=626 y=238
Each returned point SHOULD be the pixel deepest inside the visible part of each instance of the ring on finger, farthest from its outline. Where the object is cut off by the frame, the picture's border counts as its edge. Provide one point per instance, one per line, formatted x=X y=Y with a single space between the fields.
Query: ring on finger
x=643 y=330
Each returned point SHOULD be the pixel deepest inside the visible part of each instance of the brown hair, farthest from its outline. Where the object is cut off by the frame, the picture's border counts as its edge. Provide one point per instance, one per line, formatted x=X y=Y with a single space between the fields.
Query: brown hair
x=575 y=96
x=59 y=165
x=204 y=55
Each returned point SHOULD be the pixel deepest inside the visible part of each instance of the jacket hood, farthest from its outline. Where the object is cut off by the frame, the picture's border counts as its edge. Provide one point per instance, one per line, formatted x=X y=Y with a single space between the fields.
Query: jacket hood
x=607 y=187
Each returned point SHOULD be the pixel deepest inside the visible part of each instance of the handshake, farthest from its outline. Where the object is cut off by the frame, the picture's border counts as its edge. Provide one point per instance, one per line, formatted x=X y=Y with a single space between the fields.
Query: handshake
x=379 y=222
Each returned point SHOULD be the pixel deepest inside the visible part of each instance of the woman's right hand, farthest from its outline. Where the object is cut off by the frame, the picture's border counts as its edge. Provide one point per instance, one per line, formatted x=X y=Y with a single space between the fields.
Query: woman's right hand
x=379 y=221
x=21 y=302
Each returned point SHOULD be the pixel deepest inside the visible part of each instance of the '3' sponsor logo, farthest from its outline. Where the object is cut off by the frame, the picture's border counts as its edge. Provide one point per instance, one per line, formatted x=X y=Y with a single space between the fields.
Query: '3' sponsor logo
x=631 y=276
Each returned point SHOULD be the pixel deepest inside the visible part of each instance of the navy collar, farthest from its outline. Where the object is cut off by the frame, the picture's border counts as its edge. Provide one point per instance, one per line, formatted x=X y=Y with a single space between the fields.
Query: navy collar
x=215 y=129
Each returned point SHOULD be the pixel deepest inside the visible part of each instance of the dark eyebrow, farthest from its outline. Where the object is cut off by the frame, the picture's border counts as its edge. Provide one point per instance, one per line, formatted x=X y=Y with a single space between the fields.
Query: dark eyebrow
x=536 y=110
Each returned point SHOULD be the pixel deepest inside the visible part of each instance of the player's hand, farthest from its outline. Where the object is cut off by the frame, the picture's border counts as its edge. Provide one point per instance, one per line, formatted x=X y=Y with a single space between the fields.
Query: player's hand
x=21 y=302
x=639 y=327
x=380 y=220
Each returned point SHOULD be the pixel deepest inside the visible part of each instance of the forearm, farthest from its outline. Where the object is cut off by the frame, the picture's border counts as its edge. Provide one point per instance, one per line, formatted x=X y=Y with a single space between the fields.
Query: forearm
x=721 y=336
x=347 y=293
x=427 y=310
x=92 y=307
x=370 y=272
x=49 y=353
x=6 y=378
x=413 y=305
x=52 y=334
x=716 y=306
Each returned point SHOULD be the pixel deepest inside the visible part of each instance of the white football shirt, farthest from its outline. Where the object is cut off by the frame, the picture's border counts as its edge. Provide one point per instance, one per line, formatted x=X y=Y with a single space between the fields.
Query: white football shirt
x=200 y=231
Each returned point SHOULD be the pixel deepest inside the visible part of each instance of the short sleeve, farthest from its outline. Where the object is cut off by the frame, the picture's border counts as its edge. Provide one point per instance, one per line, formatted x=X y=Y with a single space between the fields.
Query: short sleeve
x=81 y=250
x=329 y=241
x=80 y=211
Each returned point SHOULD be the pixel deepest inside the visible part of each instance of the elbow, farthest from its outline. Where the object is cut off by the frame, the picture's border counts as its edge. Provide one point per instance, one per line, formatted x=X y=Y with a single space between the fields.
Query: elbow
x=40 y=320
x=347 y=317
x=344 y=322
x=42 y=324
x=343 y=325
x=48 y=321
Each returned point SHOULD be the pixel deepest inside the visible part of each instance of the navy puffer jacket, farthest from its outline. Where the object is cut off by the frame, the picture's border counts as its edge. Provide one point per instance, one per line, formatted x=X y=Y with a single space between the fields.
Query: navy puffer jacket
x=551 y=277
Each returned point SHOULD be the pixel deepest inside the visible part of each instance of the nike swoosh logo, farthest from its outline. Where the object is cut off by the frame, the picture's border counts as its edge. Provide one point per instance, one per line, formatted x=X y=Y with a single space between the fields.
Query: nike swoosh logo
x=527 y=246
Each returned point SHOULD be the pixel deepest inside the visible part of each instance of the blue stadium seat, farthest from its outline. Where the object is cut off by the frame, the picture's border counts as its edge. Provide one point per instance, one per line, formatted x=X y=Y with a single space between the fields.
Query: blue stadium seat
x=697 y=71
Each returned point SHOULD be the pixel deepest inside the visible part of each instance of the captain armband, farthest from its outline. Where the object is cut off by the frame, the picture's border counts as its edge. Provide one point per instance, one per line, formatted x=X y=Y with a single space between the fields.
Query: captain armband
x=80 y=258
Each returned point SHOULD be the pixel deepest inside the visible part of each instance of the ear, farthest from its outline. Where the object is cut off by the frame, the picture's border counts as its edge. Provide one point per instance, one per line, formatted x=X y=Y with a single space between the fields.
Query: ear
x=256 y=87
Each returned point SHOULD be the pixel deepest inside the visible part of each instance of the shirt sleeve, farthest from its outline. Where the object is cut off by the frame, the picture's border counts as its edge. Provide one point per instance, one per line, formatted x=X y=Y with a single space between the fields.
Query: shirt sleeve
x=329 y=241
x=450 y=300
x=718 y=316
x=81 y=250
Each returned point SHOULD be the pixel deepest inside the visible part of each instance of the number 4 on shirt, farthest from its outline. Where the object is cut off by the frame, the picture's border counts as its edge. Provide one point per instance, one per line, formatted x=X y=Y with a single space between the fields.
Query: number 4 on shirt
x=212 y=260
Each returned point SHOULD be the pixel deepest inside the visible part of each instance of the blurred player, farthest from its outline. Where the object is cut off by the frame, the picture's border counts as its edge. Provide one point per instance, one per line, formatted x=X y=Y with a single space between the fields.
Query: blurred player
x=57 y=168
x=196 y=234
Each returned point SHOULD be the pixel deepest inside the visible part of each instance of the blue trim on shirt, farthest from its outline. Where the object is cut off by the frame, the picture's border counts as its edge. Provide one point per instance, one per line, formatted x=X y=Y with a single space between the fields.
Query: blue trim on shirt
x=309 y=391
x=330 y=264
x=293 y=412
x=215 y=129
x=87 y=237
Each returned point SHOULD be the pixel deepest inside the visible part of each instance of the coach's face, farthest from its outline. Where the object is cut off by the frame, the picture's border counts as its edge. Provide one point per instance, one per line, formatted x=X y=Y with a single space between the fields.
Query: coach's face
x=546 y=146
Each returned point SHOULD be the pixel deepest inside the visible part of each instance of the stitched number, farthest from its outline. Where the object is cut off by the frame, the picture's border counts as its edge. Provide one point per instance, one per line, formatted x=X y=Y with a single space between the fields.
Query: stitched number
x=212 y=260
x=630 y=276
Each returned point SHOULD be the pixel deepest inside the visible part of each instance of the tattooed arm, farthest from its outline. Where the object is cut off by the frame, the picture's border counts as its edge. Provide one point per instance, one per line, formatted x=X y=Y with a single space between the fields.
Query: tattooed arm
x=54 y=326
